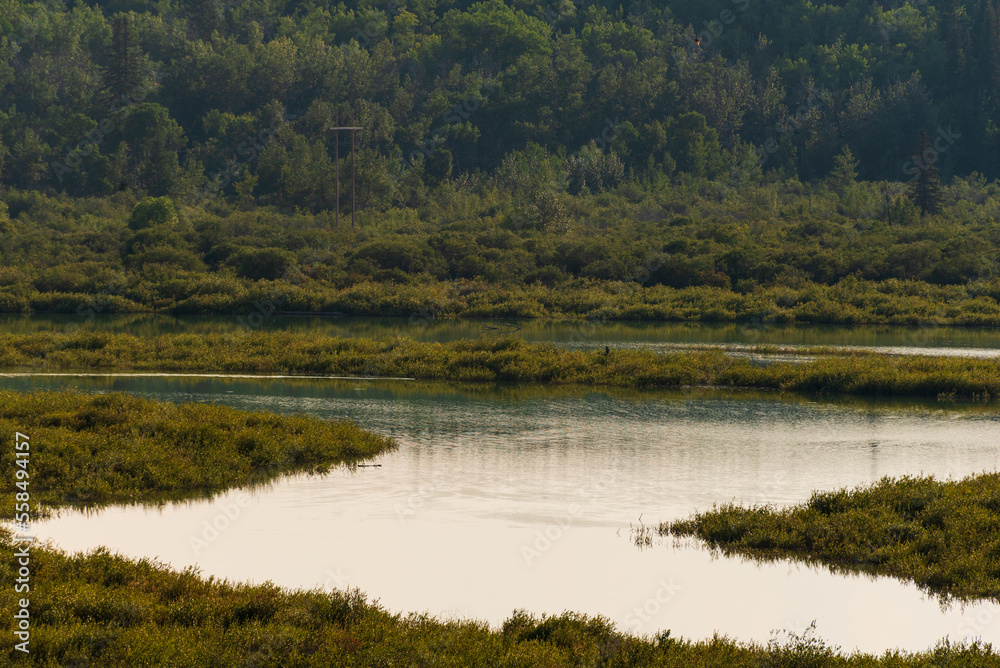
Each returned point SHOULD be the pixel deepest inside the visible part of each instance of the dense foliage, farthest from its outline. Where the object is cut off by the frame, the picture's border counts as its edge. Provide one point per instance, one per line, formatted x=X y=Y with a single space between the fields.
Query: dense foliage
x=195 y=97
x=783 y=252
x=941 y=535
x=112 y=448
x=172 y=155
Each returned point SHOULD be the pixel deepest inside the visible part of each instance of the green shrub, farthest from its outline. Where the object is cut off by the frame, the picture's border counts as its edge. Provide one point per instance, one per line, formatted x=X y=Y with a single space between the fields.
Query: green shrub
x=153 y=211
x=262 y=263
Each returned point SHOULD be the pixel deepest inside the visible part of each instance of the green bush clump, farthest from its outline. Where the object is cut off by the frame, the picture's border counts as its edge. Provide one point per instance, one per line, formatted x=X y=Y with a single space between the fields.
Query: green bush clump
x=262 y=263
x=941 y=535
x=153 y=212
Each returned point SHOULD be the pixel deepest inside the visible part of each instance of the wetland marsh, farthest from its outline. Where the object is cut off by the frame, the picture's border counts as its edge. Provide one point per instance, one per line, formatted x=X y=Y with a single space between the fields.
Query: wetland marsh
x=507 y=497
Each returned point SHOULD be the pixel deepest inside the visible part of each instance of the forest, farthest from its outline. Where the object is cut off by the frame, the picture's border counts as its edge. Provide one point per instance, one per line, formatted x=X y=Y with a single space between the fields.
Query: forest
x=736 y=146
x=236 y=100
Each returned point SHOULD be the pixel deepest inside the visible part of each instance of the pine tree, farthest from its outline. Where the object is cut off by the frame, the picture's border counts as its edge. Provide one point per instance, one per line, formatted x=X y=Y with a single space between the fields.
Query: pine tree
x=925 y=186
x=988 y=48
x=123 y=74
x=206 y=17
x=958 y=45
x=845 y=171
x=983 y=89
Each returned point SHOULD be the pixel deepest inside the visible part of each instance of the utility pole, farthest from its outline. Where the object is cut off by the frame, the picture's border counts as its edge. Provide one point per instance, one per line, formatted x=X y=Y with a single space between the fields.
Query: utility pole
x=336 y=161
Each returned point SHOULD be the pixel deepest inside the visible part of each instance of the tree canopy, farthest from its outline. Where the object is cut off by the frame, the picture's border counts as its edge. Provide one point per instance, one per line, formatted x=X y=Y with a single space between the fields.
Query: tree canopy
x=209 y=95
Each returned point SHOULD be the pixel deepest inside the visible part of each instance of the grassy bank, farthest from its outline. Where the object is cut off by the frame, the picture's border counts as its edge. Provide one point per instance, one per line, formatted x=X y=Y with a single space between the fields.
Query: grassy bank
x=498 y=359
x=113 y=448
x=944 y=536
x=101 y=609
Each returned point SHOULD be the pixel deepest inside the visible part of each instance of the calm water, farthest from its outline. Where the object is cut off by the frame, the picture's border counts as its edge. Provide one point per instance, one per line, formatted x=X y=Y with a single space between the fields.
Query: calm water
x=903 y=340
x=523 y=498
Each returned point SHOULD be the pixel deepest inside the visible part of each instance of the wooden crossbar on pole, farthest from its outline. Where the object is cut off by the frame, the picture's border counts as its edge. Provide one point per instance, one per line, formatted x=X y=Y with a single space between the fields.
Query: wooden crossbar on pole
x=336 y=160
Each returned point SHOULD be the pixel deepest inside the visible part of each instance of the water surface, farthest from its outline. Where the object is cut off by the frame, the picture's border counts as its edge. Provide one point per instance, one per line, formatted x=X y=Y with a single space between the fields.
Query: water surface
x=523 y=497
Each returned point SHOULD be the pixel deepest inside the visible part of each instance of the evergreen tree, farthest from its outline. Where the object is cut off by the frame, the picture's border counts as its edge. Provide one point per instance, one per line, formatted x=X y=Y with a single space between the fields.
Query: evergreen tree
x=987 y=49
x=958 y=46
x=925 y=186
x=845 y=170
x=123 y=74
x=438 y=167
x=206 y=17
x=983 y=87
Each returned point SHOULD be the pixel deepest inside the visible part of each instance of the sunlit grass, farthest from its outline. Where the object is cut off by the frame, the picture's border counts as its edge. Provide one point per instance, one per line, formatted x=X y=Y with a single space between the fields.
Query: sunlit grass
x=502 y=359
x=91 y=450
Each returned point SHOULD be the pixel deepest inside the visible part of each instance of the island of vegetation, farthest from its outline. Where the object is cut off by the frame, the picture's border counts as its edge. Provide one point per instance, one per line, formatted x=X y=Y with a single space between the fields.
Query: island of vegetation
x=942 y=535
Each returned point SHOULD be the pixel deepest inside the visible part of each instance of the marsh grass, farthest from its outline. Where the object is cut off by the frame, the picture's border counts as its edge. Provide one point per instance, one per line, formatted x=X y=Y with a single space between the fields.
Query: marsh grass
x=102 y=609
x=944 y=536
x=502 y=359
x=93 y=450
x=642 y=535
